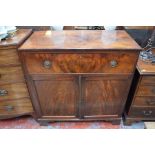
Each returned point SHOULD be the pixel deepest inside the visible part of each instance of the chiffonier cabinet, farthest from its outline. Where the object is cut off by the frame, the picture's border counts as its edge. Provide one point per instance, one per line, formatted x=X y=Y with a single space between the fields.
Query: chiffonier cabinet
x=79 y=75
x=14 y=96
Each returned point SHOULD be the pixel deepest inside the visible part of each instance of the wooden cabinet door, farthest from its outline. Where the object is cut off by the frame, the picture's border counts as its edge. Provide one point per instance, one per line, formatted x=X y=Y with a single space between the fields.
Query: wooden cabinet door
x=58 y=97
x=104 y=96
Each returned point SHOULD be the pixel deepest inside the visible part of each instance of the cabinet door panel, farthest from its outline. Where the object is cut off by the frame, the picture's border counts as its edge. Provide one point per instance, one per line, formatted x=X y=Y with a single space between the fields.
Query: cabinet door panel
x=58 y=97
x=104 y=96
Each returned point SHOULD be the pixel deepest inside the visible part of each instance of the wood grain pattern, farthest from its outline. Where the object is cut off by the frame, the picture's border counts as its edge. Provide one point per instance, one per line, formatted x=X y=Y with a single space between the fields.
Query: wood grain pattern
x=15 y=91
x=20 y=106
x=9 y=57
x=103 y=96
x=146 y=90
x=82 y=39
x=11 y=74
x=148 y=80
x=58 y=97
x=20 y=36
x=81 y=63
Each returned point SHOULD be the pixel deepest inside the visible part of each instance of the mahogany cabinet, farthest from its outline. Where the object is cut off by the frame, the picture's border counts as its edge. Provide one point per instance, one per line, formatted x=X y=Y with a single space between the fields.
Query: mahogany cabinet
x=14 y=96
x=141 y=100
x=79 y=75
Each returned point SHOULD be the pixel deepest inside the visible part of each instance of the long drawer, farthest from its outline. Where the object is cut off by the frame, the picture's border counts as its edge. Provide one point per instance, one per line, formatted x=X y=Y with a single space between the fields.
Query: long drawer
x=144 y=101
x=9 y=57
x=14 y=107
x=11 y=74
x=13 y=91
x=142 y=112
x=108 y=62
x=146 y=90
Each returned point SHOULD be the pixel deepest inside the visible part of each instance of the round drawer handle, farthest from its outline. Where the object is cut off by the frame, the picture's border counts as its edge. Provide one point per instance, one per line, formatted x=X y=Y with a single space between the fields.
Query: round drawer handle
x=3 y=92
x=147 y=113
x=9 y=108
x=113 y=63
x=47 y=64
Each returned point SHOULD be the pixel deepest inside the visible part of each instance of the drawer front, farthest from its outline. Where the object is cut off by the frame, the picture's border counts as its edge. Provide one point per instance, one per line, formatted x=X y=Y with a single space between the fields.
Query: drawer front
x=11 y=74
x=9 y=57
x=148 y=80
x=142 y=112
x=112 y=62
x=13 y=91
x=146 y=90
x=14 y=107
x=144 y=101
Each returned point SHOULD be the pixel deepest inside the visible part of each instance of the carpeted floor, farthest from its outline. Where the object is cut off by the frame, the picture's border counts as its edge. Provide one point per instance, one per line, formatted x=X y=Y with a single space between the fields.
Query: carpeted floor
x=30 y=123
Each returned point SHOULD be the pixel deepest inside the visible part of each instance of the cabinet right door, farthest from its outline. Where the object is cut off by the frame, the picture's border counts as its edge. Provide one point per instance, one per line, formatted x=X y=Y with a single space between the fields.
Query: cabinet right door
x=104 y=96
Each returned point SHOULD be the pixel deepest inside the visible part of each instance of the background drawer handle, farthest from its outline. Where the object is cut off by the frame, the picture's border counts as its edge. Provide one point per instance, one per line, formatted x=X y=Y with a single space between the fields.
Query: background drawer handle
x=47 y=64
x=147 y=113
x=3 y=92
x=113 y=63
x=9 y=108
x=150 y=102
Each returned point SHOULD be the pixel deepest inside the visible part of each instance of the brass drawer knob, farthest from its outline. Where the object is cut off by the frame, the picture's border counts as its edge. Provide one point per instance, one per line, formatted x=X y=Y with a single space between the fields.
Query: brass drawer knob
x=3 y=92
x=9 y=108
x=147 y=113
x=47 y=64
x=113 y=63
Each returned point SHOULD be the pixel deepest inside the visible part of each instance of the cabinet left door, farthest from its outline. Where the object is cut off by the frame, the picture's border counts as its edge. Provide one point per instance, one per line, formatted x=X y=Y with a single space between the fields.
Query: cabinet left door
x=58 y=97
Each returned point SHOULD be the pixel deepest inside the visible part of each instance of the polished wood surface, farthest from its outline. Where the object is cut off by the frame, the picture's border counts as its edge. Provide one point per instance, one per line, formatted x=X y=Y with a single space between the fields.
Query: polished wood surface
x=82 y=39
x=81 y=63
x=9 y=57
x=14 y=96
x=104 y=96
x=58 y=97
x=141 y=105
x=11 y=75
x=16 y=40
x=15 y=107
x=14 y=91
x=79 y=75
x=146 y=90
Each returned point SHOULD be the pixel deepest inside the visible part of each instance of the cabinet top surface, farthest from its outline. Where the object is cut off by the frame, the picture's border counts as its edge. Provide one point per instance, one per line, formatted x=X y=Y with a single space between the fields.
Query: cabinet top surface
x=146 y=68
x=80 y=39
x=17 y=39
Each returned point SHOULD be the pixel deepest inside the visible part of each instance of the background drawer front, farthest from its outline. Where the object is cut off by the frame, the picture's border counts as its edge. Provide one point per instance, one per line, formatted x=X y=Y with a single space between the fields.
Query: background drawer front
x=13 y=91
x=10 y=74
x=142 y=112
x=148 y=80
x=12 y=107
x=146 y=90
x=110 y=62
x=144 y=101
x=9 y=57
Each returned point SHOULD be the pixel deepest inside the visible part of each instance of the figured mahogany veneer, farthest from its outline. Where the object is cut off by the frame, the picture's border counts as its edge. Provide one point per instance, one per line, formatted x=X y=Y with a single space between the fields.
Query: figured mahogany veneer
x=14 y=96
x=81 y=63
x=79 y=75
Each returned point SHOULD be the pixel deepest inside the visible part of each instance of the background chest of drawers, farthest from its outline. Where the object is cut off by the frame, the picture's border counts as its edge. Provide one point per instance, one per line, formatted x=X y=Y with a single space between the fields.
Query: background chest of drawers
x=141 y=100
x=14 y=96
x=79 y=75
